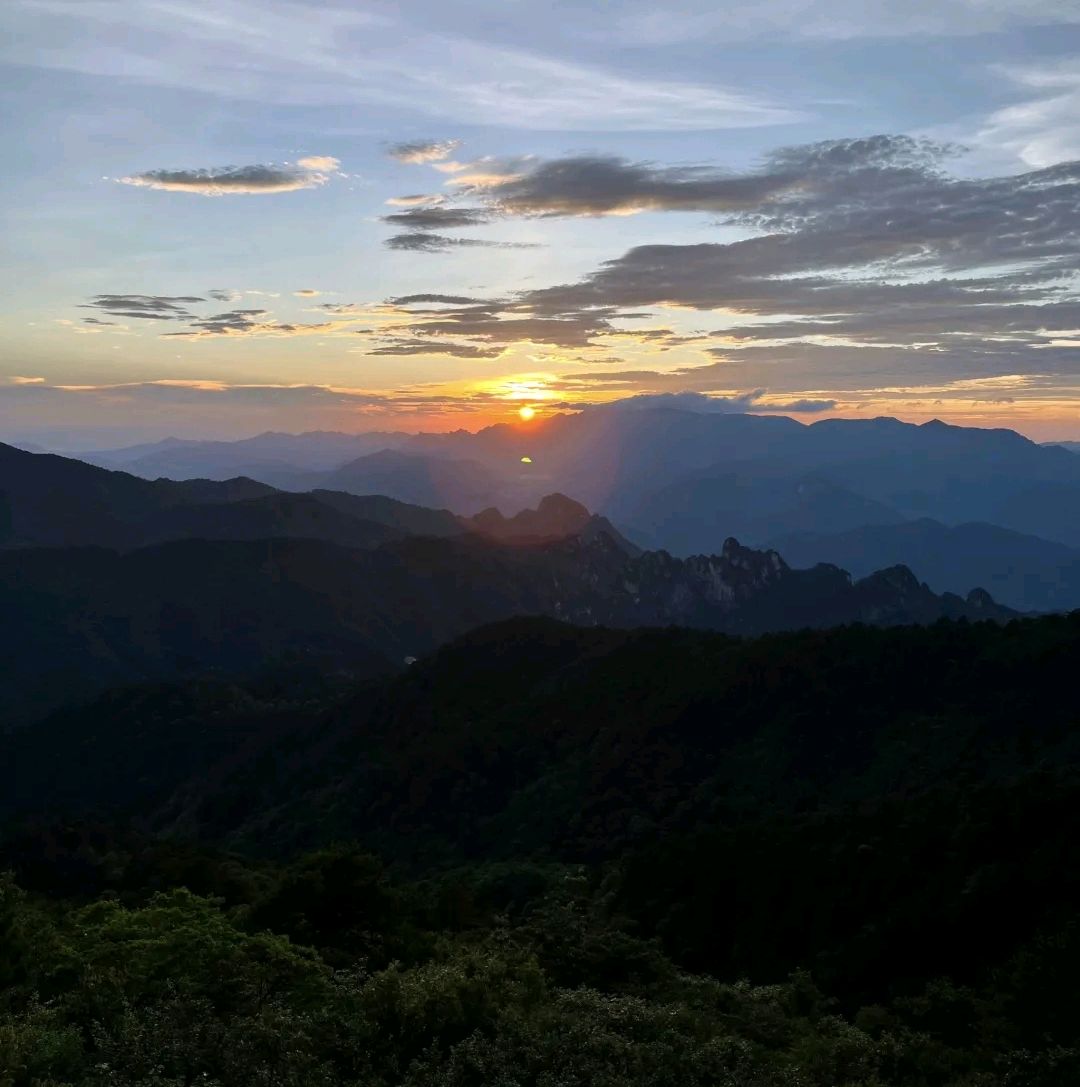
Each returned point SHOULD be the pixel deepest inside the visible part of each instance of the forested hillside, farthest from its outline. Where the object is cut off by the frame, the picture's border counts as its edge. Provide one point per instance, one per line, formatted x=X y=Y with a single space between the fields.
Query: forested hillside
x=551 y=855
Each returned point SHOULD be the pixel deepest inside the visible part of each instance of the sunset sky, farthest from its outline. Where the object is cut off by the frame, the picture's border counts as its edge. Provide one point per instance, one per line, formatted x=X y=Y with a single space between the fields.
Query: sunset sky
x=221 y=218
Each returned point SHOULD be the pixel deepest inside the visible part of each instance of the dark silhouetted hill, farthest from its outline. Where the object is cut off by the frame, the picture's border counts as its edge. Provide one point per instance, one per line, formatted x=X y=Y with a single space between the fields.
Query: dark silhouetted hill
x=81 y=620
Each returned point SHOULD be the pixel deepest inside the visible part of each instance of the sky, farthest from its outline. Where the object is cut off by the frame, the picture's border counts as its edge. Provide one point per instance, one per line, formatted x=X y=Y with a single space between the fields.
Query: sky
x=222 y=218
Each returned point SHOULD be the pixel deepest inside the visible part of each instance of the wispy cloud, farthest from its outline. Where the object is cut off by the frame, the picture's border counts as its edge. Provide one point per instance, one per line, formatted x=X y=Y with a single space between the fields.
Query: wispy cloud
x=1043 y=129
x=251 y=322
x=755 y=400
x=362 y=57
x=421 y=151
x=426 y=242
x=149 y=307
x=437 y=218
x=827 y=20
x=307 y=173
x=420 y=199
x=434 y=346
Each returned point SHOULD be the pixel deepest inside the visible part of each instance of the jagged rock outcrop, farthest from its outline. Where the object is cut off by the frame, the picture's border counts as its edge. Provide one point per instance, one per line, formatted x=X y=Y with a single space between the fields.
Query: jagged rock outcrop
x=81 y=619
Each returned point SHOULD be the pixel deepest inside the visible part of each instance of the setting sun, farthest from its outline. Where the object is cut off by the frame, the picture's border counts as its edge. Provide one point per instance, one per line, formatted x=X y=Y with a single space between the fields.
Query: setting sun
x=526 y=412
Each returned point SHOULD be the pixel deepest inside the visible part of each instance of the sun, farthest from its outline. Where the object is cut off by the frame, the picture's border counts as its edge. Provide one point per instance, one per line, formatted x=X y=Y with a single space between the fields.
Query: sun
x=526 y=412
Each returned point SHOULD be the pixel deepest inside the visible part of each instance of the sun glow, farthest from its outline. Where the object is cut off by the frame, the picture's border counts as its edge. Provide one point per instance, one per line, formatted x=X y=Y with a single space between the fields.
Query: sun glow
x=526 y=412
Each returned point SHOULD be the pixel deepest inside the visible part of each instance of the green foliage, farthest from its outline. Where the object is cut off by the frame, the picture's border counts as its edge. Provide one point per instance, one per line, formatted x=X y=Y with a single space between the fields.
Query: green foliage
x=551 y=858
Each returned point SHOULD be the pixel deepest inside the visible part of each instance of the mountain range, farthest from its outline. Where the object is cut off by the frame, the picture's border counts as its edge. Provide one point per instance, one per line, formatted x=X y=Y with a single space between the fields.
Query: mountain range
x=107 y=579
x=685 y=480
x=1024 y=571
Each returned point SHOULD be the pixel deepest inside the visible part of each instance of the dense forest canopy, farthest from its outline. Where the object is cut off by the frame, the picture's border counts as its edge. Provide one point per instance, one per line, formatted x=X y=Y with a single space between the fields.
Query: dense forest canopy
x=551 y=855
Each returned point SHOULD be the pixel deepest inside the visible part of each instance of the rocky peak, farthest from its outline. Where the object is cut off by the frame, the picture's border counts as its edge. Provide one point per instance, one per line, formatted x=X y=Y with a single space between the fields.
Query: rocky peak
x=555 y=517
x=980 y=600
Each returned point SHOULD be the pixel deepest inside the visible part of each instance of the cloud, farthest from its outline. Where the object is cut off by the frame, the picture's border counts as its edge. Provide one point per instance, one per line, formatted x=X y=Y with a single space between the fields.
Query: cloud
x=702 y=403
x=593 y=185
x=437 y=218
x=423 y=151
x=439 y=300
x=1042 y=130
x=343 y=309
x=424 y=242
x=237 y=322
x=150 y=307
x=609 y=185
x=434 y=346
x=383 y=59
x=212 y=408
x=250 y=322
x=700 y=21
x=321 y=163
x=419 y=199
x=19 y=379
x=239 y=180
x=879 y=254
x=492 y=322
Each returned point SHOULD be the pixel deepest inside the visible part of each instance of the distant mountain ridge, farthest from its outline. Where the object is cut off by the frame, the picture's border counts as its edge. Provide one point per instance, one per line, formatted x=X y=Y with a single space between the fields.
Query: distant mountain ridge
x=1021 y=571
x=181 y=458
x=107 y=578
x=684 y=480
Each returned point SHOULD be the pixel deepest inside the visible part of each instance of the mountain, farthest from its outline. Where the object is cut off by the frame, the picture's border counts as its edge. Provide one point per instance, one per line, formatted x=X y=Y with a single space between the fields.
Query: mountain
x=683 y=480
x=404 y=518
x=841 y=474
x=47 y=500
x=754 y=502
x=272 y=516
x=462 y=485
x=659 y=472
x=1072 y=447
x=555 y=518
x=1020 y=571
x=272 y=457
x=80 y=620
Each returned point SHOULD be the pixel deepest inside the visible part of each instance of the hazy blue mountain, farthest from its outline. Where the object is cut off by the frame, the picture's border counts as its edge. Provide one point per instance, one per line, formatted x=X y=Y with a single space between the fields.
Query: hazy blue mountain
x=752 y=501
x=465 y=486
x=1072 y=447
x=272 y=457
x=642 y=467
x=680 y=479
x=1020 y=571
